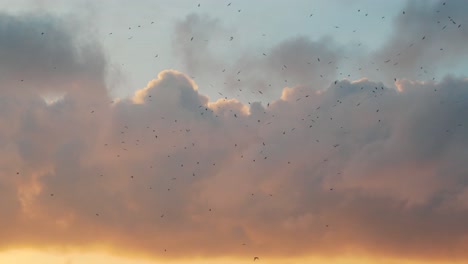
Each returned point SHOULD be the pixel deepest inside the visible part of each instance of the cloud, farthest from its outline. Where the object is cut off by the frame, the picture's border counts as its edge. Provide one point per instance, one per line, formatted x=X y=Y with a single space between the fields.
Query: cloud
x=170 y=169
x=427 y=38
x=213 y=57
x=297 y=61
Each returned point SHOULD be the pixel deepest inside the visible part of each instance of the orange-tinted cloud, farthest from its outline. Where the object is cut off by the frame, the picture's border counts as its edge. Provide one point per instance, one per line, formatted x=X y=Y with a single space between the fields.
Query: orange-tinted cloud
x=358 y=167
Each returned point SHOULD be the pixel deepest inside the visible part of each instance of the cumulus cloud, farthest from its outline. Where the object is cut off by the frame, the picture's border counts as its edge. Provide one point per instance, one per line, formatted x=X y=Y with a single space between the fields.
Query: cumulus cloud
x=355 y=167
x=212 y=55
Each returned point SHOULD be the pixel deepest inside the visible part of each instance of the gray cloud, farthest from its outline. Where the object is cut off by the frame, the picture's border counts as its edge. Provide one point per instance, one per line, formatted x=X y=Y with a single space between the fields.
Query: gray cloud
x=428 y=38
x=297 y=61
x=169 y=169
x=195 y=41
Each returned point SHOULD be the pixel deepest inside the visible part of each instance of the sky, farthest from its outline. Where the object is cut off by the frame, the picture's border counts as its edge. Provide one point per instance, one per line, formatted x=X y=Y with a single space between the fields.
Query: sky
x=233 y=131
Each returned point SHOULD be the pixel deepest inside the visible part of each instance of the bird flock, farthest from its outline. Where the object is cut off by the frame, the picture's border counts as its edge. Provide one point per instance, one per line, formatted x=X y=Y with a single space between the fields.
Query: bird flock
x=180 y=136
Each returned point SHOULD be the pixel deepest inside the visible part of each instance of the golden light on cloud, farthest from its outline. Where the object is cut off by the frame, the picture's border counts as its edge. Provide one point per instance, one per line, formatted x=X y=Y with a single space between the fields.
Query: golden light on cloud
x=297 y=150
x=399 y=85
x=120 y=179
x=286 y=93
x=51 y=99
x=27 y=256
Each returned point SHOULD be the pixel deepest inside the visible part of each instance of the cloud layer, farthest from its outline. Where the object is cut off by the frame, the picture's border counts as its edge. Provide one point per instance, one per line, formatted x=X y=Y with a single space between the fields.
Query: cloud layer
x=357 y=167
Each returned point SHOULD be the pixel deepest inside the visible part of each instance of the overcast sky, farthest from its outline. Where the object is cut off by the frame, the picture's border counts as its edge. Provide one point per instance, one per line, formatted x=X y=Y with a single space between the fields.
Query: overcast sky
x=220 y=131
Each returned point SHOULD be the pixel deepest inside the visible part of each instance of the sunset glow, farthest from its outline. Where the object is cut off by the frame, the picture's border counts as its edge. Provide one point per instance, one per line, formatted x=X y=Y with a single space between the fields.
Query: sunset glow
x=280 y=132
